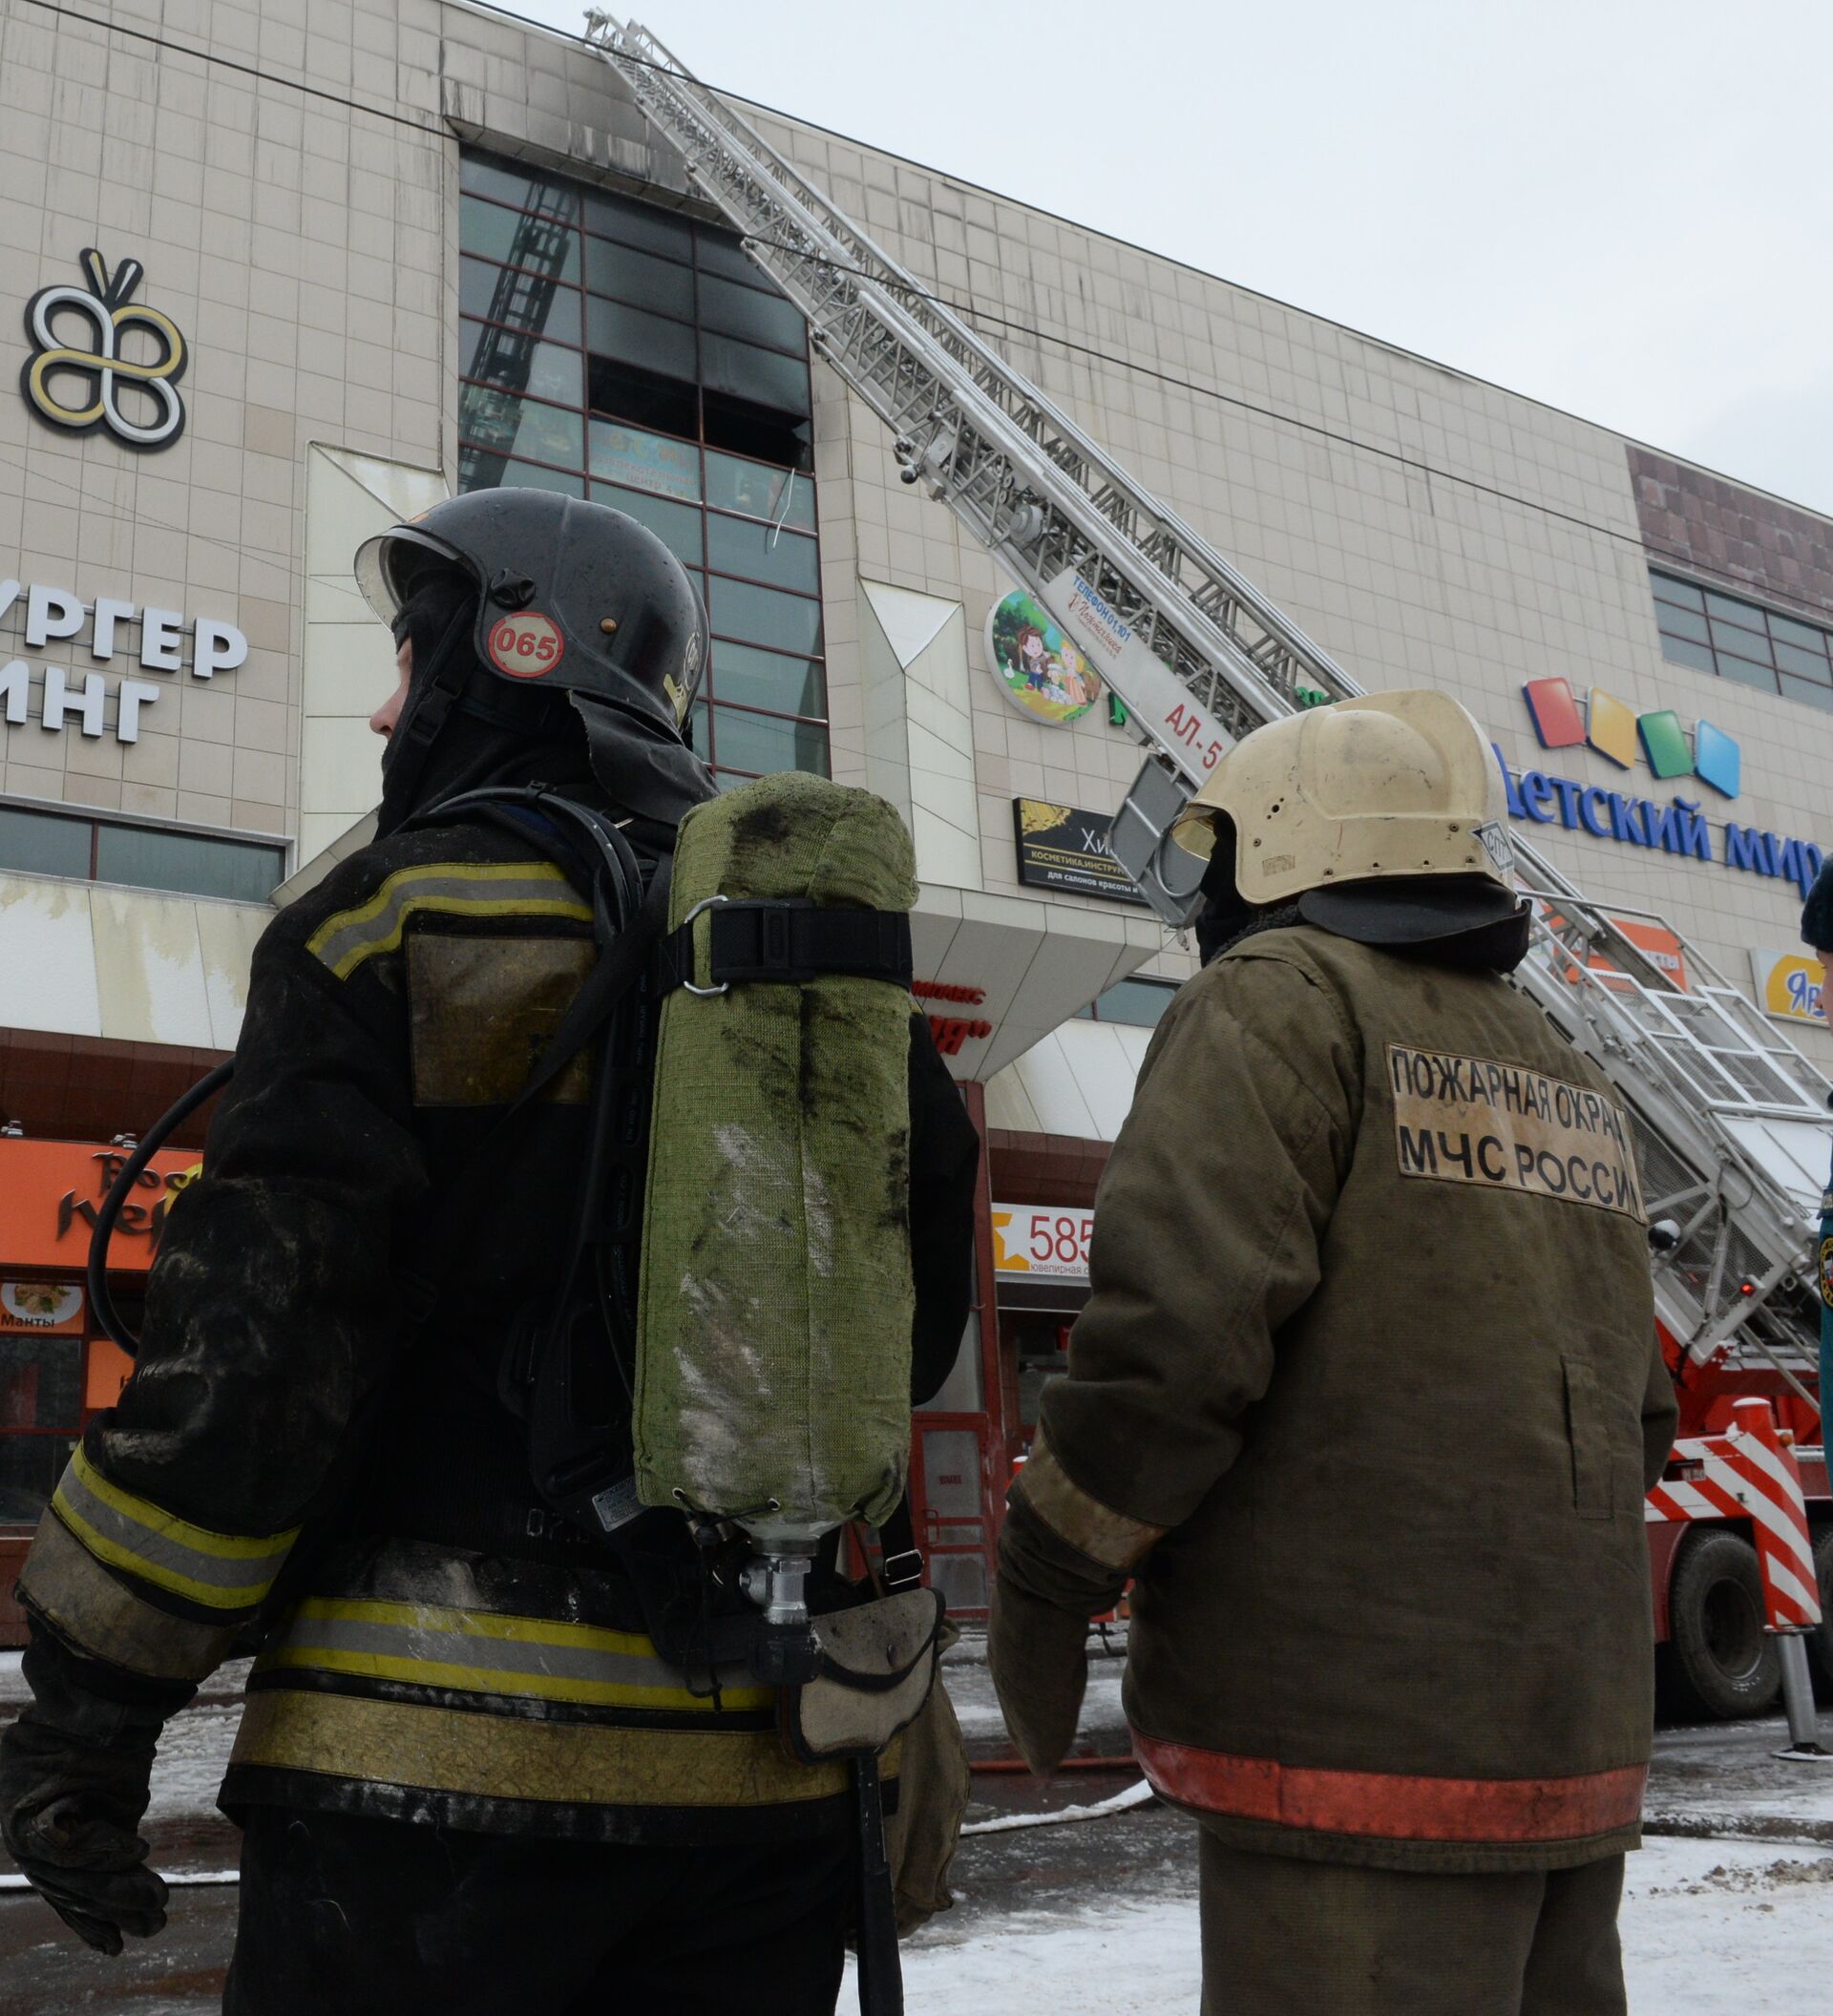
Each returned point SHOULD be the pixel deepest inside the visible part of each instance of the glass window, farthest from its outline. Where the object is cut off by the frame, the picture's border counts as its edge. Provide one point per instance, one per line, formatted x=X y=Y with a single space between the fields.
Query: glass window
x=1683 y=651
x=1747 y=643
x=782 y=497
x=146 y=857
x=616 y=350
x=41 y=1383
x=655 y=283
x=1807 y=664
x=765 y=553
x=720 y=252
x=1813 y=692
x=518 y=363
x=1682 y=623
x=29 y=1468
x=664 y=405
x=1744 y=672
x=765 y=678
x=1669 y=590
x=480 y=175
x=1140 y=1004
x=1745 y=614
x=755 y=430
x=676 y=525
x=745 y=311
x=761 y=616
x=531 y=475
x=544 y=244
x=645 y=461
x=762 y=743
x=545 y=433
x=639 y=224
x=1789 y=631
x=41 y=844
x=497 y=294
x=762 y=377
x=631 y=336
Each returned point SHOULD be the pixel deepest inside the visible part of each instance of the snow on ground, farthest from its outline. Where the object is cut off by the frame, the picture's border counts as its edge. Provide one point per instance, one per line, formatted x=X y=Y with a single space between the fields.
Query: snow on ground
x=970 y=1690
x=193 y=1755
x=1716 y=1928
x=1099 y=1918
x=1709 y=1929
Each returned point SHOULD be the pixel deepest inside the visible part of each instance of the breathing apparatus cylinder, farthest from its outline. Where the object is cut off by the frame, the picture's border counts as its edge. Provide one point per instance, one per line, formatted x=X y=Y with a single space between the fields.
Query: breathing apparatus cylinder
x=772 y=1387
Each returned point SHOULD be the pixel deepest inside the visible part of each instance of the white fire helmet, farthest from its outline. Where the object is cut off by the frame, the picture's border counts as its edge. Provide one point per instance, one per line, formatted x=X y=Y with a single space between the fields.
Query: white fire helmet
x=1387 y=785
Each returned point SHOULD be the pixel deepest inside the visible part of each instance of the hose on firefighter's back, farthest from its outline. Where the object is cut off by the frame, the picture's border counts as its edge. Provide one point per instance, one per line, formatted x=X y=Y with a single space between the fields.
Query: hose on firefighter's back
x=121 y=1188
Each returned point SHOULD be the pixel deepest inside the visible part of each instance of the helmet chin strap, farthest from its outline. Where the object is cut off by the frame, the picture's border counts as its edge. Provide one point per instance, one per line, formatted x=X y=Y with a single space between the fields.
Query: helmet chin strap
x=428 y=707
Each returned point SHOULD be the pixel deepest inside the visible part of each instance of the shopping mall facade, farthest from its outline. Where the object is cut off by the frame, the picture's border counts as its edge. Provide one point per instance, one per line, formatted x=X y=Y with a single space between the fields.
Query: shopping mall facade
x=340 y=271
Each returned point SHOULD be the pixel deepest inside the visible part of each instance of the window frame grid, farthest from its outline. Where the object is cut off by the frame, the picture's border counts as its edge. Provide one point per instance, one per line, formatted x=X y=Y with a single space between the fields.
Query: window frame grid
x=183 y=829
x=584 y=475
x=1728 y=619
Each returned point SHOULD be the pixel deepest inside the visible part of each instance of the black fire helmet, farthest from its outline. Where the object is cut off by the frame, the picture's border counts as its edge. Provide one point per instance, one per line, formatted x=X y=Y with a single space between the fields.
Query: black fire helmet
x=571 y=599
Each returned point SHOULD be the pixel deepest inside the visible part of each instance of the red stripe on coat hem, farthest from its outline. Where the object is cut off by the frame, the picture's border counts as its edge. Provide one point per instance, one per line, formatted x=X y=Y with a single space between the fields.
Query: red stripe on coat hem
x=1390 y=1806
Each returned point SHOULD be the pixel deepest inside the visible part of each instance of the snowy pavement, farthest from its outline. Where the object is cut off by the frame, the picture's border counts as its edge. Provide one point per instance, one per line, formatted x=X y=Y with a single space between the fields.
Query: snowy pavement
x=1708 y=1930
x=1728 y=1911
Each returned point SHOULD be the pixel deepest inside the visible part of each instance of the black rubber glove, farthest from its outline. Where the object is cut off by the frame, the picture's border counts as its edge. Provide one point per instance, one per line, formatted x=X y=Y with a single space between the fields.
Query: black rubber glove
x=69 y=1811
x=75 y=1772
x=1039 y=1657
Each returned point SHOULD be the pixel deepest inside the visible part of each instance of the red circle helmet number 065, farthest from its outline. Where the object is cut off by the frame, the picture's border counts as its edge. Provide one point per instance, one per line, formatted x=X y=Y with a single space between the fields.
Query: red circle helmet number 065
x=526 y=645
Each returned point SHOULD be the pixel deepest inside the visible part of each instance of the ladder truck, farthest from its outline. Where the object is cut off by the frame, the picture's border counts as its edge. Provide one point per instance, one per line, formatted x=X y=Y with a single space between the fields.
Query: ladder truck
x=1732 y=1123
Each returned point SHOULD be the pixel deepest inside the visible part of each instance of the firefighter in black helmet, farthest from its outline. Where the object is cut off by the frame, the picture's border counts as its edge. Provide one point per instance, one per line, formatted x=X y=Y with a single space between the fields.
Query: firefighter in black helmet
x=467 y=1781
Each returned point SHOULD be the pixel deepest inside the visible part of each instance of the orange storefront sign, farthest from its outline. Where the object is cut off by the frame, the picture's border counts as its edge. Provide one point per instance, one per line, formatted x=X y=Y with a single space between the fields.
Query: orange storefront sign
x=104 y=1375
x=1663 y=951
x=53 y=1308
x=51 y=1191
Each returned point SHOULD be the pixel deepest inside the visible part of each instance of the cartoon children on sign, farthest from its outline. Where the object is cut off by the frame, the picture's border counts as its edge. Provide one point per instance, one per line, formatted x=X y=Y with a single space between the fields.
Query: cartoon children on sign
x=1039 y=670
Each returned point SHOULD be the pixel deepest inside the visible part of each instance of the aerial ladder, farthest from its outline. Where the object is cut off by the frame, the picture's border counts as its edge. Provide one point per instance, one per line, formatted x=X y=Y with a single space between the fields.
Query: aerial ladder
x=514 y=320
x=1731 y=1122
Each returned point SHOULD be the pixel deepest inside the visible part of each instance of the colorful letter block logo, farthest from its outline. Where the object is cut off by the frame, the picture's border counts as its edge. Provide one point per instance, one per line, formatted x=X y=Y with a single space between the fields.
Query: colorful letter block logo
x=1614 y=730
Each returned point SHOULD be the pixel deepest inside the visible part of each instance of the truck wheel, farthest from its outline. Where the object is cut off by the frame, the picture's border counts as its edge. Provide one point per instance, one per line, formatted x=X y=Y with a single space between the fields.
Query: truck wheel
x=1723 y=1660
x=1820 y=1642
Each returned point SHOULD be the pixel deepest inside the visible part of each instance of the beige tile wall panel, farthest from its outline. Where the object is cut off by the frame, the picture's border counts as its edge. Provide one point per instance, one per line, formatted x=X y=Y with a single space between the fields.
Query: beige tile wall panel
x=294 y=225
x=347 y=656
x=918 y=724
x=1077 y=1081
x=130 y=964
x=47 y=957
x=1036 y=962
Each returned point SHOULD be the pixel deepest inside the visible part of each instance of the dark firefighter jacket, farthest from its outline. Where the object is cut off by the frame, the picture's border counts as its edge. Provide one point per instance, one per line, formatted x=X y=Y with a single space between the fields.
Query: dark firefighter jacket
x=1366 y=1397
x=448 y=1656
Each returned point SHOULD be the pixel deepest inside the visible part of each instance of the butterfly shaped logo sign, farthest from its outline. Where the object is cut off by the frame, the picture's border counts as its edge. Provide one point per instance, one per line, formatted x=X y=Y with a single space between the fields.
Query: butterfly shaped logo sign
x=78 y=385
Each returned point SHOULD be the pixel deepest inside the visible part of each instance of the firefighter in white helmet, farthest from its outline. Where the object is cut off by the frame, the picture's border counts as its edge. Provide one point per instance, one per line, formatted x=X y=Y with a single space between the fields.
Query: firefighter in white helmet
x=1364 y=1402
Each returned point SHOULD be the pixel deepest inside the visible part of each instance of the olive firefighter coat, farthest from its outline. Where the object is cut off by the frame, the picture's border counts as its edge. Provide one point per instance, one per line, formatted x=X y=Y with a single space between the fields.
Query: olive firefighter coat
x=1365 y=1399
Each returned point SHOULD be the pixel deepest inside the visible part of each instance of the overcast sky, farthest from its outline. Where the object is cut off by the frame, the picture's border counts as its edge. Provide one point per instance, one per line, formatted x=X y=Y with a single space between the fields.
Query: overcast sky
x=1625 y=209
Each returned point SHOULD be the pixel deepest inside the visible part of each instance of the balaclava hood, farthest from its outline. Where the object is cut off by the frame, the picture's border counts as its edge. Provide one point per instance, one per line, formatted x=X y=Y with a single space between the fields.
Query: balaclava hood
x=1462 y=921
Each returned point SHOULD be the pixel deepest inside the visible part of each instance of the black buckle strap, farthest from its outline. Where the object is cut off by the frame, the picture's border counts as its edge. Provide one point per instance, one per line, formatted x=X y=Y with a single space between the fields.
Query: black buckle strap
x=790 y=940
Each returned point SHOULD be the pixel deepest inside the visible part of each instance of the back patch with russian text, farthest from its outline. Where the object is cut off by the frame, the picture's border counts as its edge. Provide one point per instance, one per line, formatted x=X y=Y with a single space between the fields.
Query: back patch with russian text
x=1475 y=1119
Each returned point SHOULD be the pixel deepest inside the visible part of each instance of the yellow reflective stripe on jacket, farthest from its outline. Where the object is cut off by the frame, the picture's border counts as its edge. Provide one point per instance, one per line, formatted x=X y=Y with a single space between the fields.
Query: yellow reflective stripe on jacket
x=463 y=888
x=99 y=1614
x=225 y=1571
x=520 y=1758
x=478 y=1651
